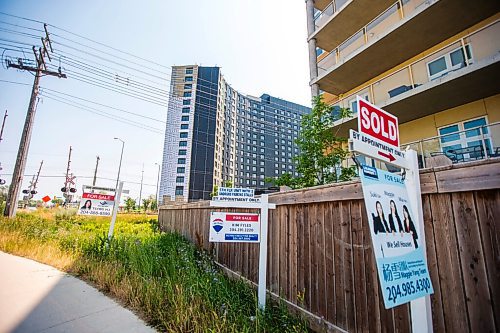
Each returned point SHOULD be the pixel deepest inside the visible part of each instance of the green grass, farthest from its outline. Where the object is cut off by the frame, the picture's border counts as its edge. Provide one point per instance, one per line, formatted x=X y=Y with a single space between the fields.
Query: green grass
x=162 y=276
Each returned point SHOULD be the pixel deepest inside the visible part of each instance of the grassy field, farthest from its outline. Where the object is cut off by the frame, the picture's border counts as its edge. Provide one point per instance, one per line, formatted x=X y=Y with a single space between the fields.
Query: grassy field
x=161 y=276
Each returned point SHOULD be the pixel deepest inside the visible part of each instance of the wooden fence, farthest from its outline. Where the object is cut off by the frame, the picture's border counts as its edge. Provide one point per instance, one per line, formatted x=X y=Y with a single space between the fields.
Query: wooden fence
x=321 y=262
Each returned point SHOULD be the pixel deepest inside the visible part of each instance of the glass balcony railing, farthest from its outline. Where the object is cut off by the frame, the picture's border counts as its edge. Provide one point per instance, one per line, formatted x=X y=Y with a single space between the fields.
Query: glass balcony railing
x=378 y=26
x=323 y=16
x=461 y=143
x=475 y=47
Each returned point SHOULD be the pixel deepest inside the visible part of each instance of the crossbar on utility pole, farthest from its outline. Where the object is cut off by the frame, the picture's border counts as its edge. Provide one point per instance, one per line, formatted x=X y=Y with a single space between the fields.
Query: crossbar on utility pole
x=22 y=154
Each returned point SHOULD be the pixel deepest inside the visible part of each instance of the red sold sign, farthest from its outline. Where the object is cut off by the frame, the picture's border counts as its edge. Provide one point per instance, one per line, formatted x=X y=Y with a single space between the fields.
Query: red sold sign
x=377 y=123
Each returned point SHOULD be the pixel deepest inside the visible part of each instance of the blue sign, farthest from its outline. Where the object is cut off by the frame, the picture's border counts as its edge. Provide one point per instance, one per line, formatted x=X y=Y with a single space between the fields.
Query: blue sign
x=401 y=263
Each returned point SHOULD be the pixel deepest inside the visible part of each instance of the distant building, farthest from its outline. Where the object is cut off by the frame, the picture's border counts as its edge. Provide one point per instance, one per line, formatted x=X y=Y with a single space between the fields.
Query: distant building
x=215 y=134
x=432 y=63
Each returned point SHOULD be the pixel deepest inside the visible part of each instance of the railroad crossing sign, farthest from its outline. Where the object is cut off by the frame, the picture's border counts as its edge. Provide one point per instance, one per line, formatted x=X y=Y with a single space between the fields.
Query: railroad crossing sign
x=71 y=179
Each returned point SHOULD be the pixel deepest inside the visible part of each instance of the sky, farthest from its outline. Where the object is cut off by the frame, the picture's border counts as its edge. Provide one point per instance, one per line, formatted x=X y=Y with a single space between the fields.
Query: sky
x=260 y=46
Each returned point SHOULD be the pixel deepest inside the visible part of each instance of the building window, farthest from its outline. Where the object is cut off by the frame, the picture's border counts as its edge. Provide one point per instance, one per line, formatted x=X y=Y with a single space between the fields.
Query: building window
x=187 y=94
x=179 y=190
x=185 y=118
x=186 y=110
x=466 y=134
x=448 y=62
x=188 y=79
x=183 y=143
x=179 y=179
x=182 y=152
x=183 y=135
x=188 y=86
x=181 y=161
x=184 y=126
x=186 y=102
x=181 y=169
x=189 y=70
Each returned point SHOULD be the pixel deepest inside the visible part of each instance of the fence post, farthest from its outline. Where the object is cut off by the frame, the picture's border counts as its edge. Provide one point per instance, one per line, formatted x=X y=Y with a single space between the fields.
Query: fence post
x=264 y=213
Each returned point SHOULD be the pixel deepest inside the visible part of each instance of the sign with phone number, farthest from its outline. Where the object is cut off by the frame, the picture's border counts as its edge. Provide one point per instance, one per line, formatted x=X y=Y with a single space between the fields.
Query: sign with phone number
x=404 y=289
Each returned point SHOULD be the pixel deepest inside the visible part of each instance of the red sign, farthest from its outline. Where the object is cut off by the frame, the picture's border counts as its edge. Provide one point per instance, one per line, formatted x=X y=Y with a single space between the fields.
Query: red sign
x=97 y=196
x=46 y=198
x=242 y=218
x=377 y=123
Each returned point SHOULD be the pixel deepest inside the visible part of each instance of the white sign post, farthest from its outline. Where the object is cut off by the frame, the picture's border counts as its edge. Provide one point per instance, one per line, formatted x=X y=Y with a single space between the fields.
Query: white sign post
x=421 y=309
x=115 y=210
x=243 y=198
x=379 y=139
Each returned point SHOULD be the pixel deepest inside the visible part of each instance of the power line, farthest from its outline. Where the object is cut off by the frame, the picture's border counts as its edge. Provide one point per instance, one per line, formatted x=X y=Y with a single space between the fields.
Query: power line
x=104 y=114
x=198 y=79
x=14 y=82
x=107 y=106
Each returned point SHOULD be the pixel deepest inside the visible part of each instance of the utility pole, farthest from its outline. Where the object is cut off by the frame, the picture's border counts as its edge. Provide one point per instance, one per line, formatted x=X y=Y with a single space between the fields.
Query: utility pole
x=3 y=125
x=140 y=192
x=69 y=180
x=2 y=181
x=95 y=172
x=22 y=154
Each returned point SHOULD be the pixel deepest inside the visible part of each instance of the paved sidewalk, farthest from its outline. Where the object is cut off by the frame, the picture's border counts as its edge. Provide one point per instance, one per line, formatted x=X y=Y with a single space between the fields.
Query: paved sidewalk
x=38 y=298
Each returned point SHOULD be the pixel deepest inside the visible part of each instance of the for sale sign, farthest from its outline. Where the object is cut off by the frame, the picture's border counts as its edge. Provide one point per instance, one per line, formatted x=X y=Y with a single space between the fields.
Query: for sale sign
x=377 y=123
x=234 y=227
x=96 y=204
x=396 y=238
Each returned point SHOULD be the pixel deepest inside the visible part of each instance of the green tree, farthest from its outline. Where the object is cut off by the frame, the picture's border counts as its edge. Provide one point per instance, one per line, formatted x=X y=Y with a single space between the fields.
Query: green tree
x=154 y=204
x=4 y=190
x=56 y=201
x=145 y=204
x=321 y=154
x=129 y=204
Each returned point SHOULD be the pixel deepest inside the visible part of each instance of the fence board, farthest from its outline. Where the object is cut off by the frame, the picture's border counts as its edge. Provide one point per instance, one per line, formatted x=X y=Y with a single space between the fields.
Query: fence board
x=488 y=208
x=314 y=257
x=360 y=302
x=478 y=298
x=329 y=263
x=340 y=267
x=294 y=212
x=432 y=263
x=320 y=255
x=450 y=277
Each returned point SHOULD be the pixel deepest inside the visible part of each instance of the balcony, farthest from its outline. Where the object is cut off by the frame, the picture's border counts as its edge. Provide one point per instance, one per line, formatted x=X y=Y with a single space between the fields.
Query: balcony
x=463 y=71
x=463 y=142
x=320 y=5
x=402 y=31
x=340 y=19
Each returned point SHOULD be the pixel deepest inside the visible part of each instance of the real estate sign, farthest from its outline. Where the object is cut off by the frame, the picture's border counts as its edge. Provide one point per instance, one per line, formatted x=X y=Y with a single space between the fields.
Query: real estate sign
x=234 y=227
x=96 y=204
x=396 y=238
x=394 y=216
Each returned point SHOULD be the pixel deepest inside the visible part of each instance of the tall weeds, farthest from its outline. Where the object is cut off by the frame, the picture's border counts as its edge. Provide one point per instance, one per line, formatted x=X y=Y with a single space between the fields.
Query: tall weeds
x=163 y=277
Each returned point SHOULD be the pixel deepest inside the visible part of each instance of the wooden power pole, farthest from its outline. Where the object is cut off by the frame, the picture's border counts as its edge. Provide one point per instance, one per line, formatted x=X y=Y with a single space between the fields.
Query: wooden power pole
x=22 y=154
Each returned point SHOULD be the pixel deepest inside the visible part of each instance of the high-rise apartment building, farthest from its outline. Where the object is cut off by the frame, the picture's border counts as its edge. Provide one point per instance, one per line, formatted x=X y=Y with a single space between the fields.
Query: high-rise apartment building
x=215 y=134
x=432 y=63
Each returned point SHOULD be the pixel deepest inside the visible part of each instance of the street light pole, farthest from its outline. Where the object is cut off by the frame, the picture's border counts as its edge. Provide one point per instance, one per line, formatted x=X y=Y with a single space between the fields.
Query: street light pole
x=157 y=182
x=120 y=166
